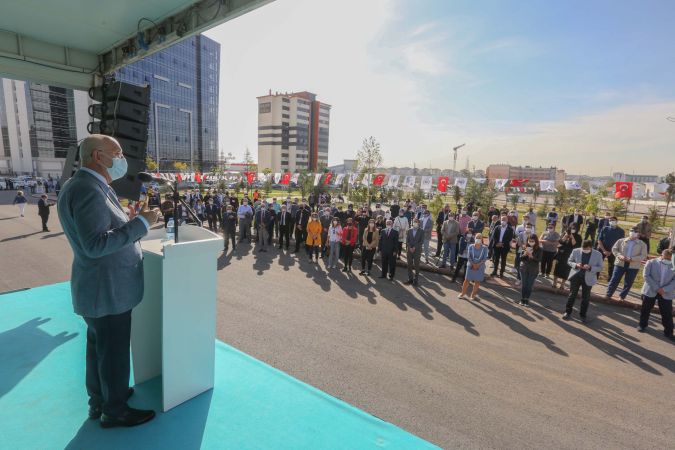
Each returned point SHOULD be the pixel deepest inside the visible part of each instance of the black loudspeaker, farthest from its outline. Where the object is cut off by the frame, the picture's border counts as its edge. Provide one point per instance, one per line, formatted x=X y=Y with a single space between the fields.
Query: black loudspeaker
x=123 y=113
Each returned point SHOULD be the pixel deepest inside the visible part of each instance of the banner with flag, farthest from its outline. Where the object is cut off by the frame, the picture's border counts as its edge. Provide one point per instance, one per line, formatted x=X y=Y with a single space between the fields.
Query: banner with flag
x=326 y=179
x=425 y=183
x=500 y=183
x=198 y=177
x=461 y=183
x=409 y=181
x=379 y=179
x=295 y=178
x=317 y=178
x=250 y=177
x=595 y=186
x=393 y=181
x=660 y=189
x=262 y=178
x=572 y=185
x=442 y=184
x=285 y=178
x=623 y=189
x=366 y=179
x=339 y=178
x=352 y=178
x=638 y=190
x=480 y=180
x=518 y=183
x=277 y=178
x=547 y=185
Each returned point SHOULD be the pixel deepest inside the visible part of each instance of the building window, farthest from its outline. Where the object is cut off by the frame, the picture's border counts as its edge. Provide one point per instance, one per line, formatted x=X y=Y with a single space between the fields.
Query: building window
x=285 y=116
x=264 y=108
x=286 y=108
x=285 y=100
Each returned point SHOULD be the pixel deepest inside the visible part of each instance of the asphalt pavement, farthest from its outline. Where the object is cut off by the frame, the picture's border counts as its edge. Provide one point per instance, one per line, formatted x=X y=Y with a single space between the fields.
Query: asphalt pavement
x=462 y=374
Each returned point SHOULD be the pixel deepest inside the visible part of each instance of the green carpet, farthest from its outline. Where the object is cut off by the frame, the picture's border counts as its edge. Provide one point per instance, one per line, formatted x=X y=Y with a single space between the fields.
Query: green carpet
x=43 y=402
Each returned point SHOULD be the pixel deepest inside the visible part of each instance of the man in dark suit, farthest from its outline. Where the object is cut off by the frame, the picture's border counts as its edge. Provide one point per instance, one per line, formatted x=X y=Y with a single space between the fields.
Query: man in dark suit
x=414 y=242
x=388 y=248
x=442 y=216
x=500 y=241
x=285 y=223
x=107 y=275
x=43 y=211
x=261 y=223
x=229 y=226
x=300 y=221
x=574 y=219
x=211 y=212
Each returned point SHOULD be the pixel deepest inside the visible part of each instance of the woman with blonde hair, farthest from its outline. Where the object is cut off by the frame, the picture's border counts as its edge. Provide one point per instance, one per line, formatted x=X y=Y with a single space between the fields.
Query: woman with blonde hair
x=313 y=242
x=370 y=241
x=476 y=255
x=20 y=200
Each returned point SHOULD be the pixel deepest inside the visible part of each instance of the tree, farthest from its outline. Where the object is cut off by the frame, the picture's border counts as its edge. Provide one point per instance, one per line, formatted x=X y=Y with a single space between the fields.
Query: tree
x=267 y=187
x=513 y=199
x=456 y=195
x=150 y=164
x=480 y=194
x=369 y=159
x=249 y=165
x=560 y=199
x=592 y=203
x=180 y=166
x=654 y=215
x=616 y=207
x=670 y=193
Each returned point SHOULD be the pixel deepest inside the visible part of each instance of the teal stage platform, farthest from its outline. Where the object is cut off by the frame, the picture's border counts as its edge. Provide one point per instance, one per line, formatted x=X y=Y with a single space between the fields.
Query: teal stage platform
x=43 y=403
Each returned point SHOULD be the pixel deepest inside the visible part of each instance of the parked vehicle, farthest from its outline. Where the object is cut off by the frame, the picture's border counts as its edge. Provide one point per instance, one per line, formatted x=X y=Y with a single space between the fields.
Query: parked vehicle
x=3 y=184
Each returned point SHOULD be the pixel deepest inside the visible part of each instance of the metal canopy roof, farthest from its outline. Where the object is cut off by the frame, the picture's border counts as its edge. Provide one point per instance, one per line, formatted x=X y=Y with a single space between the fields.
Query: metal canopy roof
x=72 y=43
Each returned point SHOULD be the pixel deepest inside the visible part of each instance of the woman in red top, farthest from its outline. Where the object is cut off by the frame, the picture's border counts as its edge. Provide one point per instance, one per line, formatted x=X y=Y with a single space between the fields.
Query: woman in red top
x=349 y=235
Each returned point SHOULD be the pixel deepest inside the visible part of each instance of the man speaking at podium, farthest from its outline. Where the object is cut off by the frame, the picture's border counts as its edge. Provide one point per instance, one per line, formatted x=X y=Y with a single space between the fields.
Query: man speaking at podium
x=107 y=275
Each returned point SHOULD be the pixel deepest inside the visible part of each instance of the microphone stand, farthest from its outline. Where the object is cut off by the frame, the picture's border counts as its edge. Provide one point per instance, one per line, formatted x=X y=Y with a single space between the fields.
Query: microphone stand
x=178 y=199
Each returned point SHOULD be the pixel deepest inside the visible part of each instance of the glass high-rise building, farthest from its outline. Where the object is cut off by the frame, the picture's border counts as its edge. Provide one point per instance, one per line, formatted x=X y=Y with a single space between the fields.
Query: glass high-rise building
x=183 y=83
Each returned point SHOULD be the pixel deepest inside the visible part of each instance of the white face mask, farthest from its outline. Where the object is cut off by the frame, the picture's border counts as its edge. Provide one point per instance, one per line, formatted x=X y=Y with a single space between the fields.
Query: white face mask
x=586 y=251
x=468 y=236
x=612 y=223
x=416 y=225
x=633 y=235
x=667 y=262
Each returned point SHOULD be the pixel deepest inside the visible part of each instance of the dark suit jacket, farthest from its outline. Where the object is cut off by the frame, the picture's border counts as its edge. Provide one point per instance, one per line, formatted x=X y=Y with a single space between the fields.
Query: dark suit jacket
x=506 y=240
x=417 y=241
x=568 y=220
x=441 y=218
x=388 y=243
x=302 y=217
x=262 y=217
x=287 y=218
x=43 y=208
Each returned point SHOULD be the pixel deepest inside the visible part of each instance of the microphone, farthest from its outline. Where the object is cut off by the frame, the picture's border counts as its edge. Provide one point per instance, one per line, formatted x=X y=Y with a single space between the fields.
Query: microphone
x=146 y=177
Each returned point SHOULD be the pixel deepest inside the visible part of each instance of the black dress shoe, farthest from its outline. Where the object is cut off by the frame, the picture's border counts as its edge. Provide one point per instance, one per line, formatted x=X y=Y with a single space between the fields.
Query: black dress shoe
x=408 y=283
x=642 y=330
x=129 y=418
x=95 y=411
x=567 y=316
x=382 y=276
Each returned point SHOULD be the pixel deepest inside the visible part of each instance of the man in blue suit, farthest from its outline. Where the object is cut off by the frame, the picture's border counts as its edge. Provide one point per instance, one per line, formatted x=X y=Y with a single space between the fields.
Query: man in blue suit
x=388 y=247
x=585 y=264
x=107 y=275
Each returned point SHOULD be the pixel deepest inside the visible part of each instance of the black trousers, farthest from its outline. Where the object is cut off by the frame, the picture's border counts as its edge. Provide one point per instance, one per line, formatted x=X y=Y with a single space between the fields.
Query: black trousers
x=460 y=262
x=367 y=258
x=44 y=218
x=499 y=256
x=107 y=362
x=610 y=266
x=300 y=236
x=439 y=243
x=348 y=255
x=284 y=234
x=388 y=264
x=230 y=234
x=547 y=262
x=665 y=308
x=575 y=284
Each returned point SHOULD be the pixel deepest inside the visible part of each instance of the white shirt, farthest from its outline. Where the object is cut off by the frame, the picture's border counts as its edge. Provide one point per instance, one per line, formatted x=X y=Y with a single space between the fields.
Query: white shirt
x=502 y=230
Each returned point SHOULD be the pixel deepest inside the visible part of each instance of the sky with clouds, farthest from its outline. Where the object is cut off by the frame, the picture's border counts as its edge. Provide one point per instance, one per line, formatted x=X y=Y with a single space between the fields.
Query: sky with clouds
x=582 y=85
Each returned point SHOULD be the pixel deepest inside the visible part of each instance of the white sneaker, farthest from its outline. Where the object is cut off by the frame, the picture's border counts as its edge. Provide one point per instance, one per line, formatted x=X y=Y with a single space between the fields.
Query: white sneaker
x=462 y=297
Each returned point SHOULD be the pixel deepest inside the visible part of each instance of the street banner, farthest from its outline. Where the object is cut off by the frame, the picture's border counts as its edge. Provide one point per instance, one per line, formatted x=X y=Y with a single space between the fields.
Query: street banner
x=409 y=181
x=366 y=180
x=638 y=190
x=442 y=184
x=425 y=183
x=547 y=185
x=623 y=189
x=572 y=185
x=480 y=180
x=500 y=183
x=379 y=179
x=339 y=178
x=660 y=189
x=393 y=181
x=295 y=178
x=461 y=183
x=277 y=178
x=250 y=177
x=285 y=178
x=317 y=178
x=518 y=183
x=352 y=178
x=326 y=179
x=262 y=178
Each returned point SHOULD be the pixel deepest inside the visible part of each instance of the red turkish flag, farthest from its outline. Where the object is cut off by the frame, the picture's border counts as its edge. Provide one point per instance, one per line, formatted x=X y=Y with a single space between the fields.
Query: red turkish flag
x=379 y=179
x=198 y=177
x=285 y=178
x=250 y=176
x=623 y=189
x=443 y=183
x=327 y=177
x=179 y=177
x=518 y=183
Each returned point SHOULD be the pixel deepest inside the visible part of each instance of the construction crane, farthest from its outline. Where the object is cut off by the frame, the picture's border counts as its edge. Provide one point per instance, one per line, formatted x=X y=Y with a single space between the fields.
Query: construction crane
x=454 y=156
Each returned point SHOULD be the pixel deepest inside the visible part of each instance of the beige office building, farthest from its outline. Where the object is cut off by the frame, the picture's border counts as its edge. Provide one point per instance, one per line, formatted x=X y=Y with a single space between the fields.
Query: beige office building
x=292 y=132
x=506 y=171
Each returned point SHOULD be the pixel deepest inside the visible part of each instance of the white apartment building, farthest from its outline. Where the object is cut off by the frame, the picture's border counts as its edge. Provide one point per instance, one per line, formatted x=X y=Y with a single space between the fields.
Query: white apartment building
x=292 y=132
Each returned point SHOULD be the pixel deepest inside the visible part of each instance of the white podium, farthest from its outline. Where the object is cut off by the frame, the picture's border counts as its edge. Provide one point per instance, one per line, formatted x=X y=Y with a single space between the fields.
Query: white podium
x=173 y=330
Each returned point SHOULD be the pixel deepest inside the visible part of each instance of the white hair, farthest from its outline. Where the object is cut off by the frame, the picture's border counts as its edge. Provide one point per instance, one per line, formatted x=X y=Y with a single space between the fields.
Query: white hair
x=91 y=143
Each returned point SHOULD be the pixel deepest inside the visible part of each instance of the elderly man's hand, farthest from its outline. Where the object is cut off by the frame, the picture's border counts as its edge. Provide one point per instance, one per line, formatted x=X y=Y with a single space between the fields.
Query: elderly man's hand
x=151 y=215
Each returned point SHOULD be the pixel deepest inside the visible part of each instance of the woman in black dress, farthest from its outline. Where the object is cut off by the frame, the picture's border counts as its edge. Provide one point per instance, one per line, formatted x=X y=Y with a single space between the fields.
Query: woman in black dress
x=568 y=242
